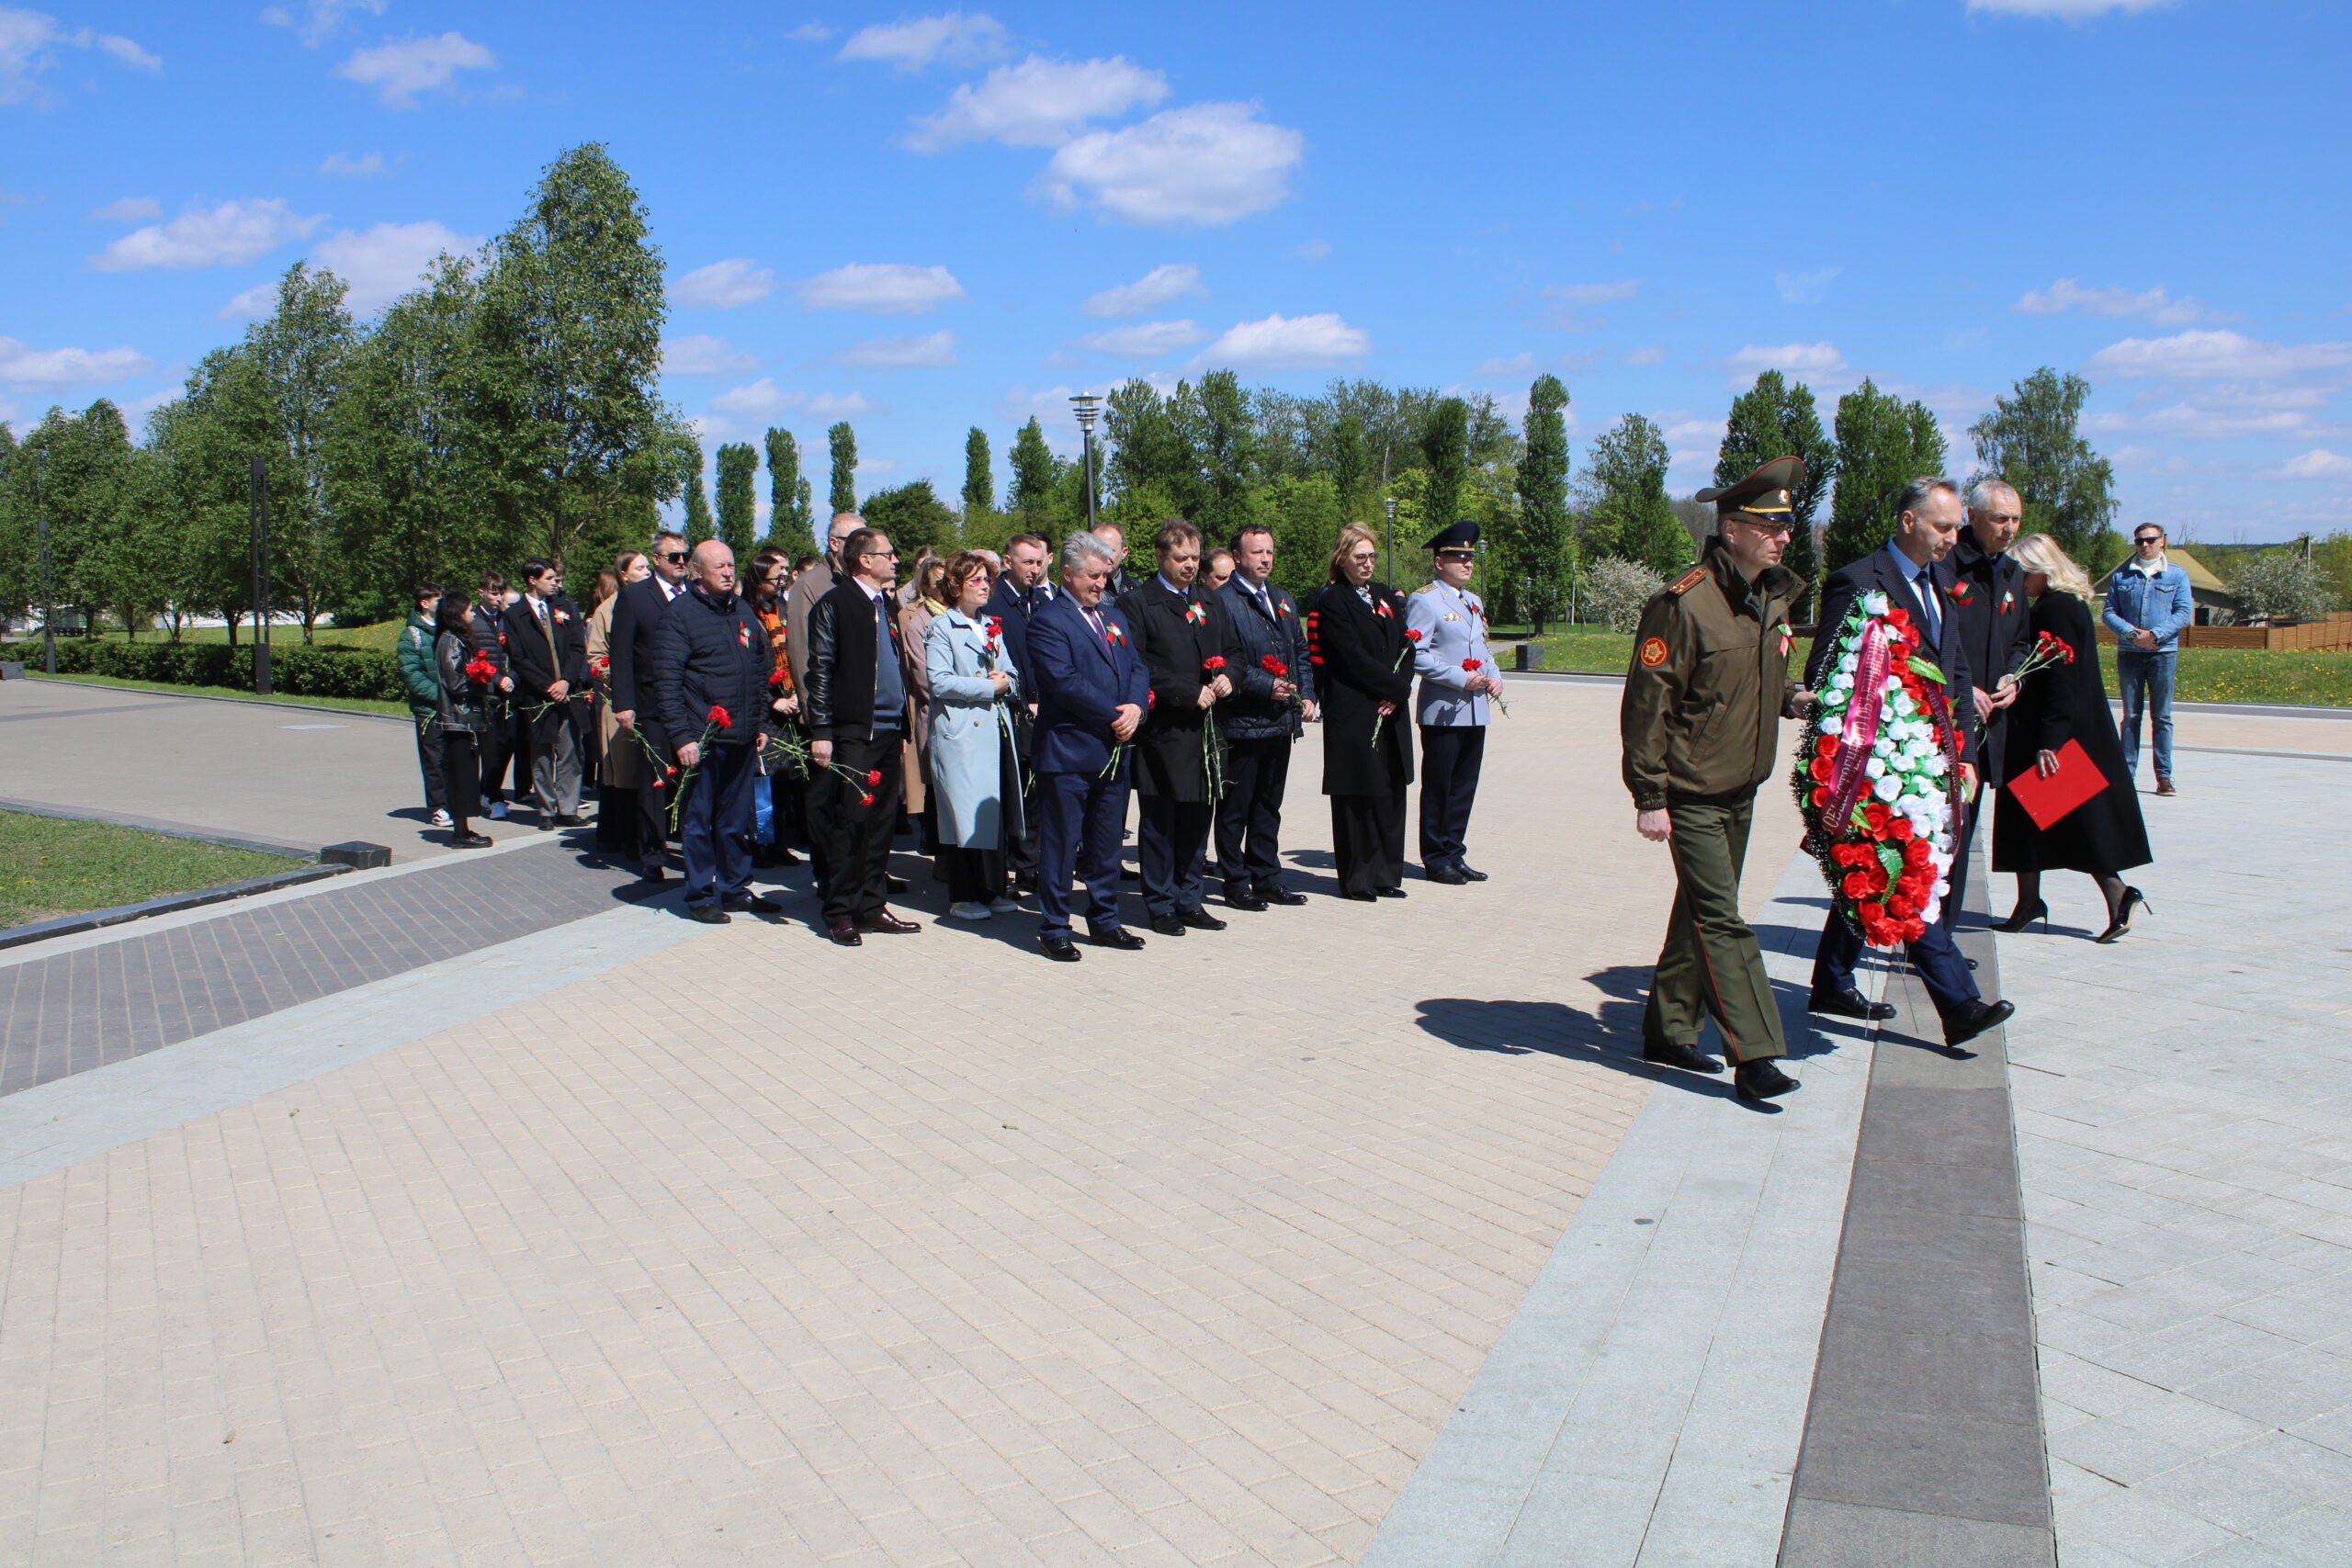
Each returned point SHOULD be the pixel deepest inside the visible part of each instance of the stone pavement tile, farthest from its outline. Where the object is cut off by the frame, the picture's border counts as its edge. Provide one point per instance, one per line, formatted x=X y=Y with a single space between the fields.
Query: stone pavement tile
x=1840 y=1535
x=2319 y=1537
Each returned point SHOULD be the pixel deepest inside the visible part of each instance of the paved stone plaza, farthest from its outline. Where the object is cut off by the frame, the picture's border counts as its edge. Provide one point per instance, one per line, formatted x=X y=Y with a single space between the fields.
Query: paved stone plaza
x=483 y=1210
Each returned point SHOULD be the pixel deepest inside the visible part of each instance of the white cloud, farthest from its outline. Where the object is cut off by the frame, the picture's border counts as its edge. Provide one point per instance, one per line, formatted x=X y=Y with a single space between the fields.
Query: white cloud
x=1593 y=293
x=135 y=411
x=1517 y=364
x=1313 y=249
x=349 y=168
x=399 y=71
x=1288 y=343
x=2068 y=294
x=2214 y=354
x=1650 y=354
x=2065 y=10
x=701 y=355
x=1806 y=288
x=884 y=288
x=129 y=209
x=321 y=18
x=1153 y=289
x=809 y=32
x=23 y=366
x=250 y=304
x=387 y=261
x=842 y=405
x=231 y=234
x=931 y=350
x=1038 y=103
x=763 y=399
x=1208 y=163
x=724 y=285
x=1144 y=340
x=1796 y=359
x=2317 y=464
x=28 y=42
x=953 y=39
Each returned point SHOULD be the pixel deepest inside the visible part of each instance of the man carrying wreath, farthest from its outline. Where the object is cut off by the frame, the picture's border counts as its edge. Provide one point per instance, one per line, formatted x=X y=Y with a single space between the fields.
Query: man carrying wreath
x=1704 y=696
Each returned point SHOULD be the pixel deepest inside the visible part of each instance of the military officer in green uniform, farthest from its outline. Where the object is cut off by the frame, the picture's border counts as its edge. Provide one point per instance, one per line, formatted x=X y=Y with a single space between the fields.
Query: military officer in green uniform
x=1704 y=694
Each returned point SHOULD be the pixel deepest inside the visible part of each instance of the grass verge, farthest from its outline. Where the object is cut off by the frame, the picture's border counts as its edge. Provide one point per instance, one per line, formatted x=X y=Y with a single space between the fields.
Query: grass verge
x=51 y=867
x=358 y=705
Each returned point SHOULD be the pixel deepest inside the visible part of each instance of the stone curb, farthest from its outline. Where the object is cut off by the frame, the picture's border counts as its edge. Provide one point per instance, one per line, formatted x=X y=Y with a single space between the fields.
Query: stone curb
x=72 y=924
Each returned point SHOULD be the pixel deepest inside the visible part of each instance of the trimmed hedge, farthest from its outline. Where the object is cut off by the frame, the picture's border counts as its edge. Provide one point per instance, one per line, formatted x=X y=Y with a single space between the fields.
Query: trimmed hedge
x=323 y=671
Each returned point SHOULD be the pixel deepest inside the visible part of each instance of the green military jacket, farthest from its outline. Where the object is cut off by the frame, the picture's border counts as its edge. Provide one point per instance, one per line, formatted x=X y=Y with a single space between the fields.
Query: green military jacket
x=1709 y=682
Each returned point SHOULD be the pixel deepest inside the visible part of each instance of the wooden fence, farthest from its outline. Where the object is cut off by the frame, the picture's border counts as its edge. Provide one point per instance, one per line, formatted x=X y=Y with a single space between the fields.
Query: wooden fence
x=2334 y=634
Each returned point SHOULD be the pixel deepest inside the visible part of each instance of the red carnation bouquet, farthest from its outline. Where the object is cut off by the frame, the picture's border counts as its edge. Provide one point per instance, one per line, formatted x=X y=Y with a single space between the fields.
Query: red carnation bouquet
x=1472 y=666
x=1280 y=672
x=2048 y=648
x=1878 y=777
x=717 y=720
x=480 y=670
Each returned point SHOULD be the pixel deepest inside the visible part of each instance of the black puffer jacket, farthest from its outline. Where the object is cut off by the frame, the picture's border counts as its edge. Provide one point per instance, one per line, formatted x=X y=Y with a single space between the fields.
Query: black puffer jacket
x=709 y=653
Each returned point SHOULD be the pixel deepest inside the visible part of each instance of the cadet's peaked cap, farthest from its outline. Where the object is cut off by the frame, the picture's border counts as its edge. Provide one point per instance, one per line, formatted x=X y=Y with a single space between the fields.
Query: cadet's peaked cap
x=1764 y=494
x=1463 y=535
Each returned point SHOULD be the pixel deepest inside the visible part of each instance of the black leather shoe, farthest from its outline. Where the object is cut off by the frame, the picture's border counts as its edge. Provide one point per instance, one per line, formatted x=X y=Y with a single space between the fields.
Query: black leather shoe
x=1974 y=1018
x=754 y=902
x=1200 y=921
x=1060 y=948
x=1122 y=939
x=1470 y=875
x=709 y=915
x=1281 y=895
x=1761 y=1081
x=1167 y=925
x=651 y=872
x=1024 y=885
x=1688 y=1058
x=844 y=933
x=1390 y=892
x=1848 y=1003
x=471 y=842
x=1362 y=898
x=1450 y=875
x=1243 y=899
x=1970 y=962
x=569 y=819
x=888 y=924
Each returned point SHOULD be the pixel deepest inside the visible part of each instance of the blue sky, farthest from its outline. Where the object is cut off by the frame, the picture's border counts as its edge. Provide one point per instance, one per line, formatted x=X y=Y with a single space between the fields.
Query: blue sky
x=929 y=220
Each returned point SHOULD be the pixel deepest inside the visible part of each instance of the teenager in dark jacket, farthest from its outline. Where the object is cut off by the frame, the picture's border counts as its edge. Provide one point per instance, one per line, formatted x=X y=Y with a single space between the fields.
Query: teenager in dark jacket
x=709 y=681
x=424 y=693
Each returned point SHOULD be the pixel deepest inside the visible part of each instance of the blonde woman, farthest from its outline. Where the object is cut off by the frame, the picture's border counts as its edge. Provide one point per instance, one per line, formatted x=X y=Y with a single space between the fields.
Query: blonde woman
x=976 y=782
x=1364 y=674
x=616 y=763
x=2067 y=702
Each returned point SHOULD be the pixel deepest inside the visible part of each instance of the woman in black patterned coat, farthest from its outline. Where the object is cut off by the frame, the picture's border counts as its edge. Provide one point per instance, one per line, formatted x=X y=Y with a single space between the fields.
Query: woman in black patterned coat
x=1365 y=676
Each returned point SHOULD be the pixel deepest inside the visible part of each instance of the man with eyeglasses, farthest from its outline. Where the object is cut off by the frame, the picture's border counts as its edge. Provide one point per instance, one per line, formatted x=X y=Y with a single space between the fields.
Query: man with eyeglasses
x=2148 y=605
x=856 y=700
x=822 y=578
x=637 y=620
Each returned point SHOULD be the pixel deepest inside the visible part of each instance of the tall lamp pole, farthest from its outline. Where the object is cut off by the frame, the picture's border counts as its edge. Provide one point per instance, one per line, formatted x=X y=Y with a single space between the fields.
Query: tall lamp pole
x=1388 y=504
x=1088 y=408
x=260 y=474
x=48 y=607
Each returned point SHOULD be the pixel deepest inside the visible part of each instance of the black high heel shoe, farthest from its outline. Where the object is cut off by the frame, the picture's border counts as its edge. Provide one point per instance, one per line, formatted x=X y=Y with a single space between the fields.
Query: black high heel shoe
x=2122 y=923
x=2023 y=916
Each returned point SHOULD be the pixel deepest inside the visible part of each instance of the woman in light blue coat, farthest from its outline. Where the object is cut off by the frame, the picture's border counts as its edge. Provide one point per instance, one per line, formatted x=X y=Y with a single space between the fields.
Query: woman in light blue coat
x=974 y=774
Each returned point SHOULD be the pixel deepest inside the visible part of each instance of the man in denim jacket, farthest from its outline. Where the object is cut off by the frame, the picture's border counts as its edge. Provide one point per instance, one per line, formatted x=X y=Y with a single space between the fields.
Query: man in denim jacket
x=2147 y=606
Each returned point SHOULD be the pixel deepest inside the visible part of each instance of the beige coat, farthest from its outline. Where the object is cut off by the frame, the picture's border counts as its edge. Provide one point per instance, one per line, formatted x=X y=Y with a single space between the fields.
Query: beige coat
x=624 y=762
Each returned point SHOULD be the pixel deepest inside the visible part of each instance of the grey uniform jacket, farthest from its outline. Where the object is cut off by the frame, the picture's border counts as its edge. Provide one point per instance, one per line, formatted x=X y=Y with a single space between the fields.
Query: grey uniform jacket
x=1452 y=624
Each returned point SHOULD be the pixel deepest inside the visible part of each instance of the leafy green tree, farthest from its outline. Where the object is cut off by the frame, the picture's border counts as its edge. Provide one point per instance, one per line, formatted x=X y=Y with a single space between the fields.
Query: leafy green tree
x=2033 y=439
x=1547 y=544
x=1033 y=475
x=569 y=347
x=304 y=350
x=1445 y=449
x=1884 y=443
x=1154 y=469
x=75 y=470
x=1305 y=515
x=1629 y=516
x=842 y=441
x=738 y=466
x=1773 y=419
x=979 y=478
x=698 y=522
x=1343 y=459
x=914 y=517
x=1224 y=440
x=792 y=525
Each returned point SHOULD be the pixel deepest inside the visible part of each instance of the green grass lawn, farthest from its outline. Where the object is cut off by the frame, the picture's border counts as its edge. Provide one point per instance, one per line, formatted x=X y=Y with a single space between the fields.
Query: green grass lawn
x=51 y=867
x=379 y=637
x=358 y=705
x=2206 y=674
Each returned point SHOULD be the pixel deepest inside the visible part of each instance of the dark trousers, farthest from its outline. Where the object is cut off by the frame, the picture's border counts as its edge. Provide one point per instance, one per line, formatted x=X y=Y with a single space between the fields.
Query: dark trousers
x=1081 y=819
x=506 y=743
x=1451 y=756
x=616 y=819
x=1710 y=965
x=652 y=805
x=460 y=792
x=973 y=876
x=429 y=748
x=1250 y=818
x=1368 y=839
x=1938 y=962
x=856 y=835
x=1963 y=849
x=715 y=824
x=1171 y=850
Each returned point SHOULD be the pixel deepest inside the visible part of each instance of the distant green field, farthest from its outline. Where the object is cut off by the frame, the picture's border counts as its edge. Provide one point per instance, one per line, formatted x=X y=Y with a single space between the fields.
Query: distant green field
x=51 y=867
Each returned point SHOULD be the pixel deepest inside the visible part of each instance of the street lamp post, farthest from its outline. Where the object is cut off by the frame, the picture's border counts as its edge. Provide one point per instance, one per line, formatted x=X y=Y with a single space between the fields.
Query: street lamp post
x=1388 y=504
x=260 y=476
x=1088 y=408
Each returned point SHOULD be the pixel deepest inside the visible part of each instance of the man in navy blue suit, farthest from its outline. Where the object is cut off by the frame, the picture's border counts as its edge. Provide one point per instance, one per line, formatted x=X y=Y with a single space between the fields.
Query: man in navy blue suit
x=1909 y=571
x=1091 y=689
x=1020 y=593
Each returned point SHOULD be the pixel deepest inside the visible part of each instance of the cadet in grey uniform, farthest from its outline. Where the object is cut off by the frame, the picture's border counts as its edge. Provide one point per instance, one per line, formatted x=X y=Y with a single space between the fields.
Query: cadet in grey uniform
x=1459 y=683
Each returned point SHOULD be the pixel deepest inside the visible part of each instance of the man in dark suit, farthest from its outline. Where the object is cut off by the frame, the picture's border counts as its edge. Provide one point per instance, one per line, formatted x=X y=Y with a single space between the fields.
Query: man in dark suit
x=857 y=707
x=1988 y=600
x=547 y=647
x=1181 y=632
x=1121 y=582
x=1909 y=569
x=707 y=683
x=1020 y=593
x=1260 y=722
x=636 y=619
x=1092 y=692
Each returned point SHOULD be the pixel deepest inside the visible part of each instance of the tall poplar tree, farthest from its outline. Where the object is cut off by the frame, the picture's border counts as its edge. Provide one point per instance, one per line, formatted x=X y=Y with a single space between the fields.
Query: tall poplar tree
x=1546 y=543
x=2033 y=439
x=1033 y=475
x=1446 y=447
x=1884 y=443
x=698 y=522
x=303 y=349
x=842 y=441
x=791 y=525
x=739 y=468
x=1777 y=419
x=980 y=481
x=1629 y=516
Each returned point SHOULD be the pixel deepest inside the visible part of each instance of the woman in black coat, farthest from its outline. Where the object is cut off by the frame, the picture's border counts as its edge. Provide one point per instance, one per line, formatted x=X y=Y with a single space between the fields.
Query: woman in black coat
x=1365 y=675
x=2104 y=836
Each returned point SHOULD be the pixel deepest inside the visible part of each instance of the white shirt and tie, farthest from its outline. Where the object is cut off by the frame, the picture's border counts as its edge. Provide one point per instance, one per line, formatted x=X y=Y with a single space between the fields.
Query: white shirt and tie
x=1922 y=582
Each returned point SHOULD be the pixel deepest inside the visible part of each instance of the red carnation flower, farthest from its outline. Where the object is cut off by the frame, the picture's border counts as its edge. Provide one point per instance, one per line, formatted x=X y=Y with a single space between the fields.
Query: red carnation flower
x=776 y=678
x=1474 y=664
x=1213 y=663
x=873 y=778
x=717 y=715
x=1412 y=634
x=1273 y=667
x=866 y=800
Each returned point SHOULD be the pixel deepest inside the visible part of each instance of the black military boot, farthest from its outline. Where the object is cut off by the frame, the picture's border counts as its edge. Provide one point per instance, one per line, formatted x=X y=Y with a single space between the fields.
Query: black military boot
x=1761 y=1080
x=1688 y=1058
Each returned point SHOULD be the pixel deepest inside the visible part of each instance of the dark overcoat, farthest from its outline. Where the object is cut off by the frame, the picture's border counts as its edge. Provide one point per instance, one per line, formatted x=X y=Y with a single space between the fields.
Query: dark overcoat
x=1177 y=634
x=1988 y=599
x=1360 y=662
x=2063 y=702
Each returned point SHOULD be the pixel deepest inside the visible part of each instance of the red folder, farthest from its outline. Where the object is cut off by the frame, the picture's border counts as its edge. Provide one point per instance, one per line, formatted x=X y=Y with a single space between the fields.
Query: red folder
x=2048 y=799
